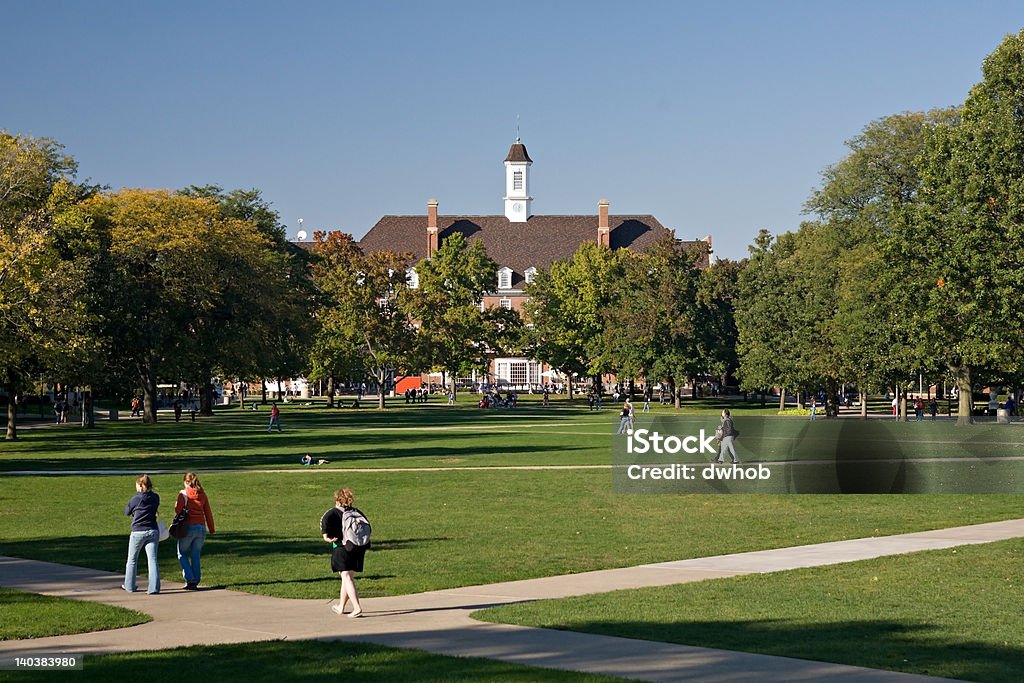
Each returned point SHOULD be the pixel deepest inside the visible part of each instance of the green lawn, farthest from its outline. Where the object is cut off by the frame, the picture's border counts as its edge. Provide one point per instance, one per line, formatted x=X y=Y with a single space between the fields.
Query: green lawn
x=436 y=530
x=952 y=613
x=439 y=529
x=428 y=435
x=27 y=615
x=302 y=661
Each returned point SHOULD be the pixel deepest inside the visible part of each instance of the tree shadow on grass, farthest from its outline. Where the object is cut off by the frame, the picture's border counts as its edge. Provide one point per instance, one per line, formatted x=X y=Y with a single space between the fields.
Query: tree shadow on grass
x=107 y=552
x=325 y=447
x=917 y=648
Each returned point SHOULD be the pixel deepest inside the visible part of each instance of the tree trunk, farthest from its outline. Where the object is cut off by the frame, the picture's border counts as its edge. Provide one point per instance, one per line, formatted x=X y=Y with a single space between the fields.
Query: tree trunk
x=149 y=398
x=263 y=389
x=632 y=390
x=206 y=397
x=381 y=376
x=568 y=375
x=863 y=404
x=12 y=416
x=782 y=399
x=965 y=408
x=330 y=390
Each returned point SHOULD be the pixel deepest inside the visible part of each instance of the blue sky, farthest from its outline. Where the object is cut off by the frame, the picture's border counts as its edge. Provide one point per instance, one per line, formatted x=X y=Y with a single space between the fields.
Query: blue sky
x=716 y=117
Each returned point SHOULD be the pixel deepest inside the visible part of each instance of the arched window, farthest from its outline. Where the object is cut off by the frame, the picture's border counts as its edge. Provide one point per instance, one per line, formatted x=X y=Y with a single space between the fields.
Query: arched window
x=505 y=278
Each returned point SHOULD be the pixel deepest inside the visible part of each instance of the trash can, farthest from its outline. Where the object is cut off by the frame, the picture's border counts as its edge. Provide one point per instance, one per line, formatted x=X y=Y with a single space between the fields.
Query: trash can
x=113 y=414
x=1002 y=416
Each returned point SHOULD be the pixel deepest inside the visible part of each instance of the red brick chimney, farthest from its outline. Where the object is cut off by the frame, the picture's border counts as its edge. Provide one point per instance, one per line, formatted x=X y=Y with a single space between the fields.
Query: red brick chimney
x=431 y=227
x=604 y=233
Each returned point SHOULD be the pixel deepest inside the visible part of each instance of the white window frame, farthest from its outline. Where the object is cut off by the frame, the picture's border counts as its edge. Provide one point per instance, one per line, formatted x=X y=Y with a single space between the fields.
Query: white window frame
x=505 y=303
x=530 y=274
x=505 y=278
x=413 y=278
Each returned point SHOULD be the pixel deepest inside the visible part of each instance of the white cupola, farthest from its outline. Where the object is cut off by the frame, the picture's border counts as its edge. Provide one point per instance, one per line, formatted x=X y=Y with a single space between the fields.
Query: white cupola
x=517 y=183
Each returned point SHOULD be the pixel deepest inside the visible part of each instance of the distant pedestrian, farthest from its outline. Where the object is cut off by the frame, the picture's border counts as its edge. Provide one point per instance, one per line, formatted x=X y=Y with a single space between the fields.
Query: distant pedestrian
x=275 y=418
x=547 y=396
x=135 y=406
x=919 y=409
x=624 y=418
x=648 y=392
x=142 y=508
x=57 y=410
x=814 y=408
x=726 y=434
x=933 y=407
x=177 y=410
x=346 y=556
x=200 y=521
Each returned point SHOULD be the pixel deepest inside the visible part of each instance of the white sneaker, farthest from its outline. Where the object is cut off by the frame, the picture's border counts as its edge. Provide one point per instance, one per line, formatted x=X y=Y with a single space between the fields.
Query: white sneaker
x=337 y=609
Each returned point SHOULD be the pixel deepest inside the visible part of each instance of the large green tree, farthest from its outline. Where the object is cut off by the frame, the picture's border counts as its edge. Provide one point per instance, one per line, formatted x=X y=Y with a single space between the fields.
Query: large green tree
x=461 y=335
x=260 y=323
x=653 y=323
x=956 y=264
x=175 y=275
x=567 y=311
x=365 y=309
x=863 y=199
x=42 y=319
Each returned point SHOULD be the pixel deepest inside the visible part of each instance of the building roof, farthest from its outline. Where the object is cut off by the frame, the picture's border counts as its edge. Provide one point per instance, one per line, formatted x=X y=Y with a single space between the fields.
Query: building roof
x=517 y=152
x=538 y=242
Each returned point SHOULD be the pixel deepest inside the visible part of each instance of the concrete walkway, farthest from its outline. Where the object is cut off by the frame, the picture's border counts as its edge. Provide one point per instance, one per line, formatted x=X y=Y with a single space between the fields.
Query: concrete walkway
x=439 y=621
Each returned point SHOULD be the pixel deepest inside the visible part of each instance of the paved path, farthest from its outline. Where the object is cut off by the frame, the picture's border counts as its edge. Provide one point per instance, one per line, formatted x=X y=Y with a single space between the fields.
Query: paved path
x=439 y=621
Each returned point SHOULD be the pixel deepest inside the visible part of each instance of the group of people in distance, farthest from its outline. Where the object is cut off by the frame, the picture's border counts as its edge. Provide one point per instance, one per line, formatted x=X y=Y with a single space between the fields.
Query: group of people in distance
x=144 y=508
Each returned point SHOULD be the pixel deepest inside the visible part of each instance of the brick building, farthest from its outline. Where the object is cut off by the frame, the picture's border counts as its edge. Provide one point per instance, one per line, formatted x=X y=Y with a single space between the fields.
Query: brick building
x=520 y=243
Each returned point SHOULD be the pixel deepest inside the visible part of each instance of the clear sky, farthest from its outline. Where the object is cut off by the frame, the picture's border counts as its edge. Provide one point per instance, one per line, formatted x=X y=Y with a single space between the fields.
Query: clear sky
x=717 y=117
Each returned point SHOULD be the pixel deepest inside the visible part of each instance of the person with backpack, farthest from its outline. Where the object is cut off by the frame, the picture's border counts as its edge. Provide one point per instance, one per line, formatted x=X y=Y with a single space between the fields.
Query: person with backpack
x=346 y=528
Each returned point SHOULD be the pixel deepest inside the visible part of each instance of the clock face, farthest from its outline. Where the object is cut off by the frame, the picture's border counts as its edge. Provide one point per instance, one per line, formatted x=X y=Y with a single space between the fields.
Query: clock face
x=517 y=207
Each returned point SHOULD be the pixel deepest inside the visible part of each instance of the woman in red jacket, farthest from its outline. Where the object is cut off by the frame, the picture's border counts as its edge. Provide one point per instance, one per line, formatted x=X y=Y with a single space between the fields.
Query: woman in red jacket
x=200 y=518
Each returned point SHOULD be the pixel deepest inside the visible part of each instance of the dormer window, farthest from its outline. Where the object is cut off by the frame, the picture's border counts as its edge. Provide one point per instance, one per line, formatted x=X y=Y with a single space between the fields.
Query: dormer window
x=505 y=278
x=530 y=274
x=413 y=278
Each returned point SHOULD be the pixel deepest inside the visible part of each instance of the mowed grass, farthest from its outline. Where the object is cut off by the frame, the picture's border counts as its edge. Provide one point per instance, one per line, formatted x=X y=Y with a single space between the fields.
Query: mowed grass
x=28 y=615
x=952 y=613
x=303 y=661
x=443 y=529
x=404 y=436
x=433 y=435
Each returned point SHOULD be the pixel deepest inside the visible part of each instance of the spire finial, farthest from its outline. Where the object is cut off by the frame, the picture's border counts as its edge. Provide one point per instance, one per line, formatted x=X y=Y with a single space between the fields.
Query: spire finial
x=517 y=128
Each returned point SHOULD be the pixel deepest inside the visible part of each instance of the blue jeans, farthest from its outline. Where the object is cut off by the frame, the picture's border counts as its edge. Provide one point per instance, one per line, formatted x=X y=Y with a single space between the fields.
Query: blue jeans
x=151 y=540
x=274 y=422
x=188 y=552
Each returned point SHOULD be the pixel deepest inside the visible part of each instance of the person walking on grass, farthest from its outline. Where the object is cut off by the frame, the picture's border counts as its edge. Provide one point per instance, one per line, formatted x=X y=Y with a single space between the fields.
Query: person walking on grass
x=726 y=434
x=275 y=418
x=345 y=527
x=625 y=417
x=193 y=498
x=142 y=508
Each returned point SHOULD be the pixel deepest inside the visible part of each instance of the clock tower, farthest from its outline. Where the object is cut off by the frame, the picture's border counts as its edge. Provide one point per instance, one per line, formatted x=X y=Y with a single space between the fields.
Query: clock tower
x=517 y=183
